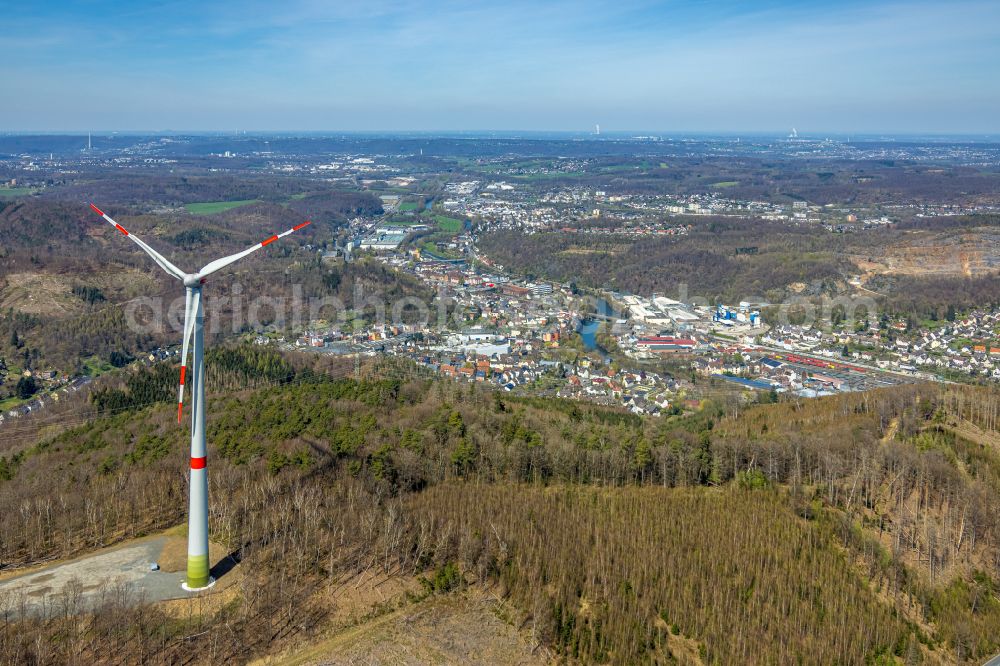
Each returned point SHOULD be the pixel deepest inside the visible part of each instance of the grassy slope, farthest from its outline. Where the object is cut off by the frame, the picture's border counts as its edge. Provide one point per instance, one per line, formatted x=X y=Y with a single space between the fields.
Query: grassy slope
x=212 y=207
x=449 y=224
x=16 y=191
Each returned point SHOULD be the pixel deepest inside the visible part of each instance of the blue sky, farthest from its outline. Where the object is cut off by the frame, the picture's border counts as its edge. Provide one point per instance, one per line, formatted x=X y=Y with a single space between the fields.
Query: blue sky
x=908 y=66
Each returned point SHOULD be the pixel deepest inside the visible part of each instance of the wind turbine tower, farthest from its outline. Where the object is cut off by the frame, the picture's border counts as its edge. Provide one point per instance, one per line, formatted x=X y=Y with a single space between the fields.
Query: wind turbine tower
x=198 y=577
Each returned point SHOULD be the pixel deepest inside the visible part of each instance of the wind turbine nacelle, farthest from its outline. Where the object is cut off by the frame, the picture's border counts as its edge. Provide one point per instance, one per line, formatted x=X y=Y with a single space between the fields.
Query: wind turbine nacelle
x=193 y=280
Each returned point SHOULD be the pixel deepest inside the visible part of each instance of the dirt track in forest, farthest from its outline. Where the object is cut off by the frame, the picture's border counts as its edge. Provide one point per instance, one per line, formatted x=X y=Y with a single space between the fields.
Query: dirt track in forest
x=460 y=628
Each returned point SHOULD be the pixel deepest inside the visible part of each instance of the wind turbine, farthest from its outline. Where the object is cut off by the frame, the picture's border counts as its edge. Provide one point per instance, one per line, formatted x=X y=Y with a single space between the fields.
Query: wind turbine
x=197 y=560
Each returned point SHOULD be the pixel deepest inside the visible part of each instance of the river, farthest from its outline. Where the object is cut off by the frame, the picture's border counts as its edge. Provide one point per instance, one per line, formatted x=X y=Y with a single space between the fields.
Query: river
x=588 y=329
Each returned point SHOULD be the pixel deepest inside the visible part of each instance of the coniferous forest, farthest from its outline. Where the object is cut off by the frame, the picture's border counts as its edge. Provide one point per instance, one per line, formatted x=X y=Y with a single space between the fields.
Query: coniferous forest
x=860 y=528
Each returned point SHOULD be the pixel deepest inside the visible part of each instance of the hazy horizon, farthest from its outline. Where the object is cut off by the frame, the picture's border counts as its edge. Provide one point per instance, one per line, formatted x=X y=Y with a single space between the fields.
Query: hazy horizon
x=901 y=67
x=616 y=134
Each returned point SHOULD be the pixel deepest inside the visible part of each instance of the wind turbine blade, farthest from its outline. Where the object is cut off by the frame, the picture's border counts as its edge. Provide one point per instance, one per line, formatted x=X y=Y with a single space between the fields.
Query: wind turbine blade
x=218 y=264
x=157 y=257
x=190 y=312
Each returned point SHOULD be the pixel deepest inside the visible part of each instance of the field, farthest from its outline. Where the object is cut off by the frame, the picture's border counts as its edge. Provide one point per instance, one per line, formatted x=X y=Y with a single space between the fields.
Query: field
x=10 y=403
x=549 y=175
x=432 y=249
x=726 y=183
x=95 y=366
x=408 y=206
x=16 y=191
x=448 y=224
x=409 y=221
x=213 y=207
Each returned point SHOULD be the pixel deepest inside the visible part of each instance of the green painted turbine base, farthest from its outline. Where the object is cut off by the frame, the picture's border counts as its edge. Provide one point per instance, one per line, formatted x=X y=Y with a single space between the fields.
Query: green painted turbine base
x=197 y=571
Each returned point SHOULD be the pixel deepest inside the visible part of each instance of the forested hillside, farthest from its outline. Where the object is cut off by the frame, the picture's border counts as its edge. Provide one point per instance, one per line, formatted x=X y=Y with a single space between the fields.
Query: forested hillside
x=157 y=188
x=711 y=263
x=705 y=260
x=67 y=278
x=931 y=297
x=851 y=529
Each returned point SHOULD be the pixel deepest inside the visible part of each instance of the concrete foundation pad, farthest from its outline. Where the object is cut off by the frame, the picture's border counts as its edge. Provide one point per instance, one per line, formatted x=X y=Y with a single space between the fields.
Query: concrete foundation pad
x=211 y=583
x=120 y=573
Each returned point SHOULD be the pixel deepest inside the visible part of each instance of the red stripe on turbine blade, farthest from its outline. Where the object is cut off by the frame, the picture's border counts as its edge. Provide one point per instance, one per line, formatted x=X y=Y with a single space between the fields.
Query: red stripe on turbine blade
x=183 y=368
x=304 y=224
x=121 y=228
x=269 y=241
x=198 y=463
x=180 y=408
x=97 y=210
